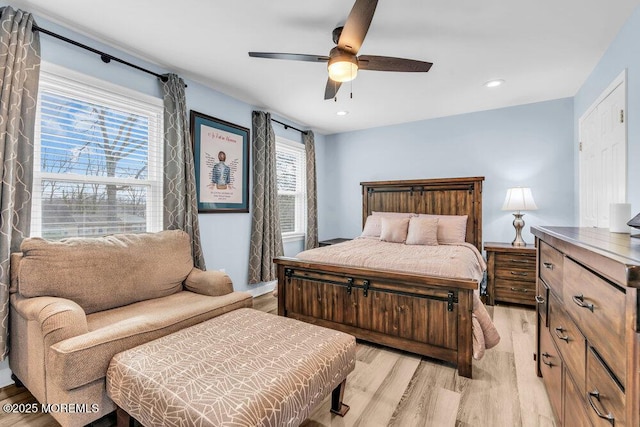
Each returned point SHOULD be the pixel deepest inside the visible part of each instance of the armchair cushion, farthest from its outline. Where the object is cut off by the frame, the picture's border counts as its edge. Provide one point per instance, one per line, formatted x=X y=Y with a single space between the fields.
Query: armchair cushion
x=107 y=272
x=210 y=282
x=82 y=359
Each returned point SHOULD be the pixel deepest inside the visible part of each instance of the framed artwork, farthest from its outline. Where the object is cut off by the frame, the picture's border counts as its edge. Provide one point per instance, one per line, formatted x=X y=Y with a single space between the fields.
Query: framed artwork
x=221 y=155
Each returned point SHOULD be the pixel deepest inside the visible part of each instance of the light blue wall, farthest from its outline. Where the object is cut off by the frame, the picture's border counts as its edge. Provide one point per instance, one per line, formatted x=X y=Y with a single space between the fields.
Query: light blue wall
x=623 y=53
x=225 y=237
x=529 y=146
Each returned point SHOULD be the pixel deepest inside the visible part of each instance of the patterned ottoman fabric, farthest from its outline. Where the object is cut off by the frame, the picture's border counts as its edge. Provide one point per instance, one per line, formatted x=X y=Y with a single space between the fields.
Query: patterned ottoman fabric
x=244 y=368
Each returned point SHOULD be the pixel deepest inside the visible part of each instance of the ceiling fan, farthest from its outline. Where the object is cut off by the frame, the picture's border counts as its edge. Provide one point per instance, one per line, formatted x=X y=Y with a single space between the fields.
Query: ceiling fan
x=343 y=62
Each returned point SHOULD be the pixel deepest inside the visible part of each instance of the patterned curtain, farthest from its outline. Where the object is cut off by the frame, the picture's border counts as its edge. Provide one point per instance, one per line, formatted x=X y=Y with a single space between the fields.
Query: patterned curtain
x=19 y=75
x=266 y=238
x=312 y=199
x=180 y=199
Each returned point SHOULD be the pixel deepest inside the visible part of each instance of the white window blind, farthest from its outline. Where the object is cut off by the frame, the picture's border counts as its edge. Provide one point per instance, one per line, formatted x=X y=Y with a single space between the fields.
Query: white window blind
x=291 y=172
x=98 y=158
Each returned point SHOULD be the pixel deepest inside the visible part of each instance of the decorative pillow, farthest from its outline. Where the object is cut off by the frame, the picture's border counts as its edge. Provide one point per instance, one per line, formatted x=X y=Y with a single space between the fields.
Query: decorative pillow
x=451 y=228
x=372 y=227
x=422 y=231
x=394 y=229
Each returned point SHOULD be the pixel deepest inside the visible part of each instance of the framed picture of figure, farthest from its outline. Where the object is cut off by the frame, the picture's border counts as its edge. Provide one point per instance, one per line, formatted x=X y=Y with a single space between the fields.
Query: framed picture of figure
x=221 y=156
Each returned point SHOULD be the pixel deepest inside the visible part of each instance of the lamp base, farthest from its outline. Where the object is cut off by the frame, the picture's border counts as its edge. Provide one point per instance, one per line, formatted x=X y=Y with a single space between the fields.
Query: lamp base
x=518 y=224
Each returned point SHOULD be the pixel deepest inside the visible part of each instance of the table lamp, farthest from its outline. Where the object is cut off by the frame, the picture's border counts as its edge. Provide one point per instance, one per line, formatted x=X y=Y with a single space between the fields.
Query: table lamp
x=519 y=199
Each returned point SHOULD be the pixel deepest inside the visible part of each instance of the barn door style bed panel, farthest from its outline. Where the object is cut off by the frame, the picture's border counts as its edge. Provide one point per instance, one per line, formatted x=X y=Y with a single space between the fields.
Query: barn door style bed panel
x=423 y=314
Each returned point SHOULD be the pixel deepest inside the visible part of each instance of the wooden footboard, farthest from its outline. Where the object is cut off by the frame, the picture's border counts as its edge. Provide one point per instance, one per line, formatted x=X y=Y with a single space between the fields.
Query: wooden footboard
x=426 y=315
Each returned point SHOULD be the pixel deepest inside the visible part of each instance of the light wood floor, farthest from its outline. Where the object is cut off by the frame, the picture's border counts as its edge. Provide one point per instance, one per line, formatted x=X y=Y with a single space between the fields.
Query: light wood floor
x=393 y=388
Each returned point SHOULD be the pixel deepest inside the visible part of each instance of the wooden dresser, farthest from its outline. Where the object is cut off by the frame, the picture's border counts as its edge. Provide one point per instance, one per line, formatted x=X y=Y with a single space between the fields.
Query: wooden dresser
x=588 y=349
x=511 y=273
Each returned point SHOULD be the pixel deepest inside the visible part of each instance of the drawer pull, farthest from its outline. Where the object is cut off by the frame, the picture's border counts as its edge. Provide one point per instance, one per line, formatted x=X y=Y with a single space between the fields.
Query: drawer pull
x=579 y=300
x=540 y=299
x=548 y=265
x=519 y=273
x=595 y=393
x=521 y=290
x=559 y=331
x=519 y=261
x=546 y=356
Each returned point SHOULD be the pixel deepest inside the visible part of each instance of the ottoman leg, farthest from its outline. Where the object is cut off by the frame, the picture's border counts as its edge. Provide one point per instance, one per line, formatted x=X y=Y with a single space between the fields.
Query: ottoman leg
x=123 y=419
x=337 y=407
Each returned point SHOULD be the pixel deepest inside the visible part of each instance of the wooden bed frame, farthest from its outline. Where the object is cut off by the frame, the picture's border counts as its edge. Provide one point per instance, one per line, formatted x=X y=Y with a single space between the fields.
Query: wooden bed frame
x=422 y=314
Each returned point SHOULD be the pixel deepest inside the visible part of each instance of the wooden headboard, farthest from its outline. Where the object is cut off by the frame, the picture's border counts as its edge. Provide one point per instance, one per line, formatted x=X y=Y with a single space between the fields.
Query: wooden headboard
x=442 y=196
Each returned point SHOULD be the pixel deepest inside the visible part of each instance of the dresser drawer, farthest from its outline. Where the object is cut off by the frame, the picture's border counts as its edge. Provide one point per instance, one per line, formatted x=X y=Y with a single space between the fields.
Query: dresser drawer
x=551 y=371
x=517 y=292
x=568 y=340
x=575 y=411
x=599 y=308
x=551 y=266
x=605 y=398
x=542 y=302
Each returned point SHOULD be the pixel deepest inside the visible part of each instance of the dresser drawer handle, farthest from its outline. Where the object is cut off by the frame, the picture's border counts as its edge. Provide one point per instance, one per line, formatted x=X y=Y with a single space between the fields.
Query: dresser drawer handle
x=595 y=393
x=521 y=290
x=559 y=332
x=548 y=265
x=519 y=261
x=546 y=356
x=540 y=299
x=519 y=273
x=579 y=300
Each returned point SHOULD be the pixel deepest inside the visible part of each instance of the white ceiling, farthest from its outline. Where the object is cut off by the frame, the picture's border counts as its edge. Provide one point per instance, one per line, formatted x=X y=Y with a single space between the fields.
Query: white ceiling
x=544 y=50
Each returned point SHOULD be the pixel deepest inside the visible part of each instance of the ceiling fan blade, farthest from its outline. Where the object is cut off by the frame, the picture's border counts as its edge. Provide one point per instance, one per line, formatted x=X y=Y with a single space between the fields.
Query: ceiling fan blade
x=332 y=89
x=357 y=25
x=388 y=63
x=290 y=56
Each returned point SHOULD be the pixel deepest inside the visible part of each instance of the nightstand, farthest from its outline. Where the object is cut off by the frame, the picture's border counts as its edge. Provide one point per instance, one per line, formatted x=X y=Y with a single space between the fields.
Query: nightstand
x=511 y=273
x=332 y=241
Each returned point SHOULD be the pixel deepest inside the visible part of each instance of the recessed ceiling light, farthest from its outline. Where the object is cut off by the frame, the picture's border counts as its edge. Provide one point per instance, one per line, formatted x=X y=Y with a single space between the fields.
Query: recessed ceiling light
x=342 y=113
x=494 y=83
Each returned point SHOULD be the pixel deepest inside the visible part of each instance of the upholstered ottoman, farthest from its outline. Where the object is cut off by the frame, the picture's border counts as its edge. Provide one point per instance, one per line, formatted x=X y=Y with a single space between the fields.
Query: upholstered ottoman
x=243 y=368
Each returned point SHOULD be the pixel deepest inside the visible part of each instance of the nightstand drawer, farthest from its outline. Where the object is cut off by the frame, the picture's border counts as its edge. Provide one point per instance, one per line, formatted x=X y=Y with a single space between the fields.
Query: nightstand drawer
x=517 y=261
x=519 y=292
x=517 y=274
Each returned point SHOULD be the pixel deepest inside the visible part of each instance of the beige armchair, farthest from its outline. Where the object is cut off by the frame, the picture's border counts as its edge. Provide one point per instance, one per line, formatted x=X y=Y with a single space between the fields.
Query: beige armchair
x=77 y=302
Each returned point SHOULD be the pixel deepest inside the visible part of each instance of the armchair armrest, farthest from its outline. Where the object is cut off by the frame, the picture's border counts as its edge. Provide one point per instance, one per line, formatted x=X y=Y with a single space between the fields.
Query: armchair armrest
x=213 y=283
x=59 y=318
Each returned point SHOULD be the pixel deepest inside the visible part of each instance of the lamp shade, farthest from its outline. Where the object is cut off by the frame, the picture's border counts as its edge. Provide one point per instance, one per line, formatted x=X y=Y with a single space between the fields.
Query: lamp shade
x=519 y=199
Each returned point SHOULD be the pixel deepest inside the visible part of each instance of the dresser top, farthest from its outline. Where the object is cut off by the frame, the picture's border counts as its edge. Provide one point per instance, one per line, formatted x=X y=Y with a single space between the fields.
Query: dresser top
x=613 y=255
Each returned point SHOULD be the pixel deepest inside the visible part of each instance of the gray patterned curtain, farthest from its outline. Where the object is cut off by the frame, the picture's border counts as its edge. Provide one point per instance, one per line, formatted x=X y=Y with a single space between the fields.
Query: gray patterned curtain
x=180 y=199
x=312 y=199
x=19 y=74
x=266 y=238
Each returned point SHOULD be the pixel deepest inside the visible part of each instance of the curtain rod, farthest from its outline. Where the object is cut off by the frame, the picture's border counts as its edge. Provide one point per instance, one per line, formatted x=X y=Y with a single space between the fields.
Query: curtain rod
x=286 y=126
x=106 y=58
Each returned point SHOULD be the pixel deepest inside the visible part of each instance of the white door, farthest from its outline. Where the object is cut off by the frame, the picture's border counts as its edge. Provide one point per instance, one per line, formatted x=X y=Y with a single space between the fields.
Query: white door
x=603 y=156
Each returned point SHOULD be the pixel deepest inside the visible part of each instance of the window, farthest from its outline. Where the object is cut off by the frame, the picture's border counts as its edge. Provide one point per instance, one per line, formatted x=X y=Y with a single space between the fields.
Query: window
x=292 y=198
x=98 y=158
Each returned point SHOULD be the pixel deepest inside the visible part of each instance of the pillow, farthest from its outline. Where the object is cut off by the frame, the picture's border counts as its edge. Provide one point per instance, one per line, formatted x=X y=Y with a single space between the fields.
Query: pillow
x=394 y=229
x=451 y=228
x=422 y=231
x=372 y=227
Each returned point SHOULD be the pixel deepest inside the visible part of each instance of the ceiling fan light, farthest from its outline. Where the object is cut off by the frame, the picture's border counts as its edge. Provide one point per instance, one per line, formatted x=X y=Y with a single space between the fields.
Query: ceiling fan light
x=343 y=68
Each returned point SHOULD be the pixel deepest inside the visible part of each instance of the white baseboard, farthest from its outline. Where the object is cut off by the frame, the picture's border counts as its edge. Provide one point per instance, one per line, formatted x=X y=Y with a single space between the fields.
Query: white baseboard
x=5 y=373
x=265 y=288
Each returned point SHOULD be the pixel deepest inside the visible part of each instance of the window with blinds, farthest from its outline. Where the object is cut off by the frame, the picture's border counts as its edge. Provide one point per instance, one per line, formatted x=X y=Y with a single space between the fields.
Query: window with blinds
x=98 y=158
x=291 y=172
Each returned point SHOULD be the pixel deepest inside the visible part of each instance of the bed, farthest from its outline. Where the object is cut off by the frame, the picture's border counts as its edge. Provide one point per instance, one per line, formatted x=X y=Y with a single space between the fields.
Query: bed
x=425 y=314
